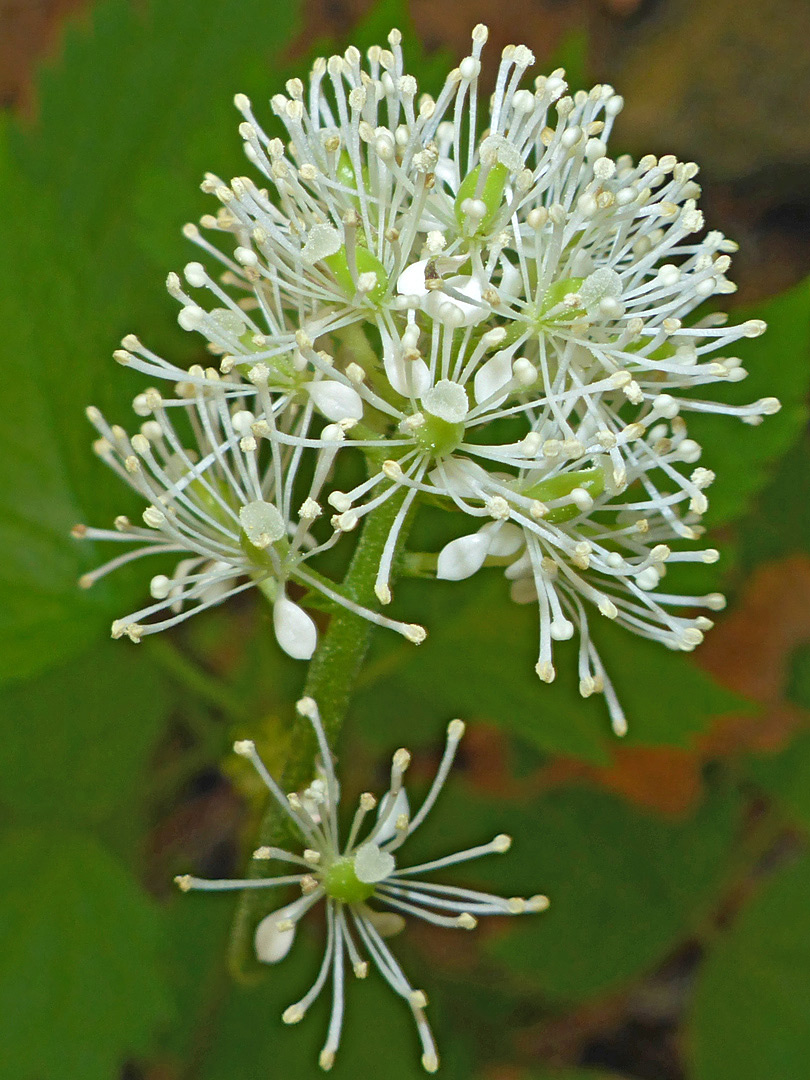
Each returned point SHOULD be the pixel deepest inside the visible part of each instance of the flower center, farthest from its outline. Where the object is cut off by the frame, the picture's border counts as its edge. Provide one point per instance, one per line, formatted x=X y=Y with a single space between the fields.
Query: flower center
x=556 y=295
x=341 y=882
x=445 y=407
x=369 y=276
x=558 y=487
x=480 y=197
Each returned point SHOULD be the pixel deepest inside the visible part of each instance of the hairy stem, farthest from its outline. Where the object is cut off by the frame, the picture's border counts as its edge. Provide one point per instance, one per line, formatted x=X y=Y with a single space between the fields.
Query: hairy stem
x=332 y=675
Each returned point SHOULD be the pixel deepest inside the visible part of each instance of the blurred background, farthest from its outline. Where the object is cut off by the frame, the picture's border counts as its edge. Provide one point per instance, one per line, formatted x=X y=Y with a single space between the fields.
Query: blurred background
x=677 y=946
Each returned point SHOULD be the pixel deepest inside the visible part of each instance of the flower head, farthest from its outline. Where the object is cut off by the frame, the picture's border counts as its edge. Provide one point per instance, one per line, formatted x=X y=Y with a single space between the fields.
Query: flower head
x=571 y=538
x=364 y=890
x=492 y=311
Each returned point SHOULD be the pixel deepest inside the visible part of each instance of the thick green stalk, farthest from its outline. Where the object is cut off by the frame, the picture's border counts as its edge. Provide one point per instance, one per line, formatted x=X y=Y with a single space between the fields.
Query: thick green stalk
x=332 y=675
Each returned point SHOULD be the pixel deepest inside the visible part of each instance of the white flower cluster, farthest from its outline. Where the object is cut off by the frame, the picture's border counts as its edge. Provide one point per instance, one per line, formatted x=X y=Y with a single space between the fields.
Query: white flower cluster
x=365 y=893
x=505 y=322
x=231 y=504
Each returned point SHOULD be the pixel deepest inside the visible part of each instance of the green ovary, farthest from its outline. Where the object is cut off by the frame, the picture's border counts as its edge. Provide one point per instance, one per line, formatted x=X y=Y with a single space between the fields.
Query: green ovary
x=342 y=883
x=557 y=293
x=491 y=193
x=557 y=487
x=438 y=437
x=364 y=263
x=260 y=557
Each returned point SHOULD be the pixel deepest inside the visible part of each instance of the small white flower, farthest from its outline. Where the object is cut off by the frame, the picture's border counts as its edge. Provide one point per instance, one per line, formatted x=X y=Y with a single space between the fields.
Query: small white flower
x=567 y=535
x=365 y=892
x=222 y=491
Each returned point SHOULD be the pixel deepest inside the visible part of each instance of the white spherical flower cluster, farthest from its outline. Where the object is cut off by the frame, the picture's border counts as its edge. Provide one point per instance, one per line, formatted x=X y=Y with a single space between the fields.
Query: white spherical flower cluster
x=507 y=321
x=365 y=893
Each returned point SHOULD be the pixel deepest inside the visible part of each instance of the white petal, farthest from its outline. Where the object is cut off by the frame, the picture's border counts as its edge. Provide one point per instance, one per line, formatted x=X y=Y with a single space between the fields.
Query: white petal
x=462 y=478
x=389 y=829
x=511 y=280
x=272 y=944
x=411 y=282
x=372 y=865
x=411 y=378
x=386 y=923
x=461 y=558
x=335 y=400
x=504 y=540
x=446 y=308
x=491 y=377
x=523 y=591
x=295 y=631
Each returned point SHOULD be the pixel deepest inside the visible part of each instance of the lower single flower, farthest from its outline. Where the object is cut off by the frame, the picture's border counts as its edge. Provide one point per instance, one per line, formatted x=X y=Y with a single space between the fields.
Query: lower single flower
x=365 y=893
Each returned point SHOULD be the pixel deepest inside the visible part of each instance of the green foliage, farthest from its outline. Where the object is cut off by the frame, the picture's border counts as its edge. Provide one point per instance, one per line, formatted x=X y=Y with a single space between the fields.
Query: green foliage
x=571 y=53
x=623 y=887
x=168 y=72
x=196 y=939
x=568 y=1074
x=798 y=687
x=80 y=980
x=81 y=738
x=749 y=1018
x=780 y=524
x=786 y=777
x=108 y=172
x=779 y=366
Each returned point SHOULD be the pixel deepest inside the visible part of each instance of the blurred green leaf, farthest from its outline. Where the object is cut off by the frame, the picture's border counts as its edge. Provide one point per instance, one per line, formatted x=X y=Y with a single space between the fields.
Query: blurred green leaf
x=798 y=684
x=81 y=736
x=80 y=983
x=571 y=53
x=786 y=777
x=429 y=69
x=624 y=887
x=779 y=366
x=567 y=1074
x=751 y=1017
x=147 y=85
x=51 y=366
x=779 y=524
x=127 y=124
x=478 y=662
x=196 y=942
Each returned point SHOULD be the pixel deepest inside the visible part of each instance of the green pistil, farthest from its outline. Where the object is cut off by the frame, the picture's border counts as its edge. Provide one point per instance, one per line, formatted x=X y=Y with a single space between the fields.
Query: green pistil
x=491 y=194
x=246 y=339
x=438 y=437
x=557 y=293
x=342 y=883
x=260 y=557
x=557 y=487
x=282 y=367
x=346 y=174
x=365 y=263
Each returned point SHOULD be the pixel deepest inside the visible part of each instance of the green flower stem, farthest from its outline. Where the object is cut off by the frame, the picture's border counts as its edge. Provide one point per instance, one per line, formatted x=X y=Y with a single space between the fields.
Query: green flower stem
x=332 y=676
